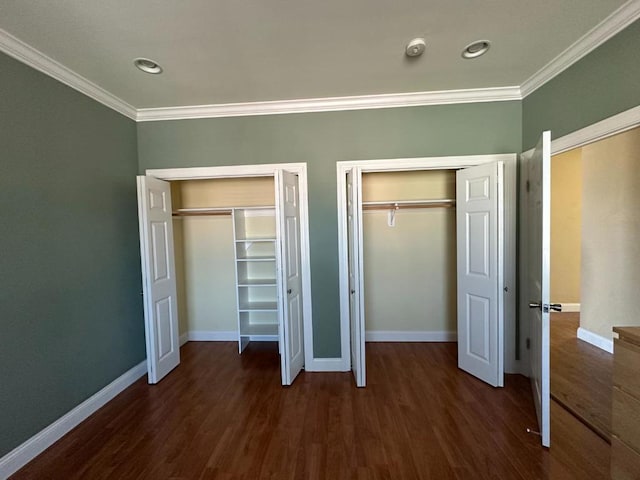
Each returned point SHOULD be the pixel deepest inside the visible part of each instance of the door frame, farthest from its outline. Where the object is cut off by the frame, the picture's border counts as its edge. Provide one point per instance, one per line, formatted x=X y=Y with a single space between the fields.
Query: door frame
x=265 y=170
x=608 y=127
x=511 y=363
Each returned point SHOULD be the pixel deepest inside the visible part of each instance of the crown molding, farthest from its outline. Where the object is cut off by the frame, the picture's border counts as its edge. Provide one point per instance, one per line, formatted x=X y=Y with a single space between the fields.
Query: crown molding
x=25 y=53
x=610 y=26
x=362 y=102
x=613 y=24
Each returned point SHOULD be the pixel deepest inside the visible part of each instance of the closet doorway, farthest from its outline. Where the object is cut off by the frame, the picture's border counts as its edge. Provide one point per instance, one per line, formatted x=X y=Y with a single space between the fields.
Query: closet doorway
x=479 y=236
x=250 y=242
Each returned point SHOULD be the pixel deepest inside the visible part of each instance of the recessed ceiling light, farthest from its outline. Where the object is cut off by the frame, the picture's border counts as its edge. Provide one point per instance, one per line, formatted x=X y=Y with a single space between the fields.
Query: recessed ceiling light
x=415 y=47
x=475 y=49
x=147 y=66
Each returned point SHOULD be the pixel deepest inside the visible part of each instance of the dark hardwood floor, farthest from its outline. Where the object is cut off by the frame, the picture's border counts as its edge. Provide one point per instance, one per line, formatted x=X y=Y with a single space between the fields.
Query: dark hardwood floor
x=581 y=375
x=224 y=416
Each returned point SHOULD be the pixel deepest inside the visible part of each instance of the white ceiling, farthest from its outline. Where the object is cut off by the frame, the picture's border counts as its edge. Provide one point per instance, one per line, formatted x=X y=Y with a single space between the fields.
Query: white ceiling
x=226 y=51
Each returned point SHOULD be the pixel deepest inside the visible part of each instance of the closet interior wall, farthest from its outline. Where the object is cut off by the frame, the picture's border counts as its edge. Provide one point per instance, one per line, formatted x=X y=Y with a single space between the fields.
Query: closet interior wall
x=204 y=252
x=410 y=265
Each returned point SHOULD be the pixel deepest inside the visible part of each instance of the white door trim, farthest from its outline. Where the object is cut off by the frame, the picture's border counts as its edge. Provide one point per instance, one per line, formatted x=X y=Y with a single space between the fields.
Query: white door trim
x=627 y=120
x=423 y=163
x=265 y=170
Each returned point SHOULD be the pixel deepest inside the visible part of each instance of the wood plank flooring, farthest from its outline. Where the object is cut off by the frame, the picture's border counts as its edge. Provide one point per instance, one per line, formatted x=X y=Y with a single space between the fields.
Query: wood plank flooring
x=224 y=416
x=577 y=452
x=581 y=375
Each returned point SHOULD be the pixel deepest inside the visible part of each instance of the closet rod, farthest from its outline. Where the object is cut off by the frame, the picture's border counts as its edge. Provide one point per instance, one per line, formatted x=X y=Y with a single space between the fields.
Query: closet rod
x=202 y=211
x=190 y=212
x=443 y=203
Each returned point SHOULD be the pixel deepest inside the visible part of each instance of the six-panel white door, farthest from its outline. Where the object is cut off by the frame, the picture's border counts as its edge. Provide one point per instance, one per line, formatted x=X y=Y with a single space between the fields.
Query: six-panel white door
x=539 y=235
x=291 y=318
x=480 y=259
x=158 y=277
x=356 y=287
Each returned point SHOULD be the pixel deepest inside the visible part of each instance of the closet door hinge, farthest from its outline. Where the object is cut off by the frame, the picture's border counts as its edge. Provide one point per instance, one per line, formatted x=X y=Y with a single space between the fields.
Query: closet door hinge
x=528 y=186
x=528 y=343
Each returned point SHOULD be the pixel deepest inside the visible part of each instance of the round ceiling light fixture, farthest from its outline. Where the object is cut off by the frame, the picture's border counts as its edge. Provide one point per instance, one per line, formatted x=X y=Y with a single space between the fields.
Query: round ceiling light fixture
x=415 y=47
x=475 y=49
x=147 y=66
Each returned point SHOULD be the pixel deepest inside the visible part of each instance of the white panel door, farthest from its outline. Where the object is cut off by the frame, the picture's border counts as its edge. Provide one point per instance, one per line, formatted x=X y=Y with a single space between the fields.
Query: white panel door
x=291 y=319
x=479 y=220
x=356 y=287
x=158 y=277
x=539 y=236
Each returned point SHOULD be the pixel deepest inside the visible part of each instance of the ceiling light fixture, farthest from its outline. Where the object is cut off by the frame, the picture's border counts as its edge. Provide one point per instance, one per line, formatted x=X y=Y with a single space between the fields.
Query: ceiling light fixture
x=147 y=66
x=415 y=47
x=475 y=49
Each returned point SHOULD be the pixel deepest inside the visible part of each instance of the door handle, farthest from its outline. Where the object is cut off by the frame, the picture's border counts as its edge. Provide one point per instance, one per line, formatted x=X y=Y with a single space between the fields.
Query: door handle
x=352 y=292
x=289 y=291
x=556 y=307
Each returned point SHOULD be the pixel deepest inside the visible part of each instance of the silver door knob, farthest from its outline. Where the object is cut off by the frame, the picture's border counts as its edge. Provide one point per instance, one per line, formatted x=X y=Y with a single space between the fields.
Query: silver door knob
x=556 y=307
x=537 y=305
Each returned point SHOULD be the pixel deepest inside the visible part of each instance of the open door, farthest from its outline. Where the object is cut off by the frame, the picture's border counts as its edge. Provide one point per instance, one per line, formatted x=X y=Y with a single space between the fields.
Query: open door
x=539 y=236
x=158 y=277
x=291 y=320
x=479 y=221
x=356 y=288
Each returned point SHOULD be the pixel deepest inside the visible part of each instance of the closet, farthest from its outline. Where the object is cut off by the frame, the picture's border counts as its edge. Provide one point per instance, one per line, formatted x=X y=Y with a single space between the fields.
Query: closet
x=222 y=261
x=422 y=257
x=225 y=234
x=409 y=255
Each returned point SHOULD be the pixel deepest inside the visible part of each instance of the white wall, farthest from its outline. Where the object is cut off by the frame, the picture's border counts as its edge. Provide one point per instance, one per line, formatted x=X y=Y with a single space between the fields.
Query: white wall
x=410 y=268
x=566 y=217
x=409 y=271
x=209 y=270
x=611 y=234
x=225 y=192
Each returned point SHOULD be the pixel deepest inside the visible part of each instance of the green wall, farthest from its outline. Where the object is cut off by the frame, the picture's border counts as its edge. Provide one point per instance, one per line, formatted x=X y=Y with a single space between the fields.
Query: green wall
x=322 y=139
x=602 y=84
x=70 y=308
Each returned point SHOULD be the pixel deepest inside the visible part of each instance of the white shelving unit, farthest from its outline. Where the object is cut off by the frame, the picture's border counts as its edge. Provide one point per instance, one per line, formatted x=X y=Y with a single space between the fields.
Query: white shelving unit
x=254 y=230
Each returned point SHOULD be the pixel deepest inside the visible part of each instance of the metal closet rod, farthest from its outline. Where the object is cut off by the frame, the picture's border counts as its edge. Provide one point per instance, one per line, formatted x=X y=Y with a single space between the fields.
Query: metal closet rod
x=400 y=204
x=190 y=212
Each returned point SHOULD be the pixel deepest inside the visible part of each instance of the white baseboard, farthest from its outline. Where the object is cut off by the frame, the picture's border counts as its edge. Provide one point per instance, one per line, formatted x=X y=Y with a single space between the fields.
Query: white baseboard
x=219 y=336
x=327 y=365
x=409 y=336
x=23 y=454
x=260 y=338
x=595 y=339
x=212 y=336
x=570 y=307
